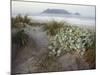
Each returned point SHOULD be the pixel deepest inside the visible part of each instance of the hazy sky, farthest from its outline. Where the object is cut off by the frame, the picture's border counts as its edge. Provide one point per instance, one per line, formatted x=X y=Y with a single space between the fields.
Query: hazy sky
x=35 y=8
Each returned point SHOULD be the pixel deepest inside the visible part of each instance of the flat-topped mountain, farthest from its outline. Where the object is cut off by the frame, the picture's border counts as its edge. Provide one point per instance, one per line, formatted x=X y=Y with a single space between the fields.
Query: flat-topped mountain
x=55 y=11
x=77 y=13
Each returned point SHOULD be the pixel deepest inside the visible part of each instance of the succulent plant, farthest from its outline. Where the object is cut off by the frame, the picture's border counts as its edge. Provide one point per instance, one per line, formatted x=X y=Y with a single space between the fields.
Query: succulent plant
x=70 y=38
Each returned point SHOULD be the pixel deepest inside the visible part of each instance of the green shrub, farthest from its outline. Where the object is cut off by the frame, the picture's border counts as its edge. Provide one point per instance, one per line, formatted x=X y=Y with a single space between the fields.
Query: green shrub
x=70 y=39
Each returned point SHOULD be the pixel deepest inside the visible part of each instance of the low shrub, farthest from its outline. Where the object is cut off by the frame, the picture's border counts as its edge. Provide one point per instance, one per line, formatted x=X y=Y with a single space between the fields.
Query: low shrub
x=70 y=39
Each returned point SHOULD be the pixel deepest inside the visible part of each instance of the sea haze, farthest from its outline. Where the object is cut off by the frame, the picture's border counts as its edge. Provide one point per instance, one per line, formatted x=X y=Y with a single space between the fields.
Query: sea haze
x=72 y=20
x=43 y=12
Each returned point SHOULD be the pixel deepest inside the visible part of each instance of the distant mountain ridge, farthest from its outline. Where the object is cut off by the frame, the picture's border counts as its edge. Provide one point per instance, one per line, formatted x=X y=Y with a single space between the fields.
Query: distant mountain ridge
x=56 y=11
x=59 y=11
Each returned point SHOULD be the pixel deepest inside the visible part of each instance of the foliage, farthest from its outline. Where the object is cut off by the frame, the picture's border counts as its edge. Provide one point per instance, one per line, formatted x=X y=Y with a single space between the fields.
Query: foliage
x=20 y=21
x=69 y=39
x=20 y=39
x=53 y=27
x=26 y=19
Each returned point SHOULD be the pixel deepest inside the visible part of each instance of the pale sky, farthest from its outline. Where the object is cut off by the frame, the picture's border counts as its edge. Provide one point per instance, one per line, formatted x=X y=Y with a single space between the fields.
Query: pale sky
x=19 y=7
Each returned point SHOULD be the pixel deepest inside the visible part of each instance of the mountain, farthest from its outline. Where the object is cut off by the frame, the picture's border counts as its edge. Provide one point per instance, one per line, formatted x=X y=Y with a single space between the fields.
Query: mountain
x=56 y=11
x=77 y=14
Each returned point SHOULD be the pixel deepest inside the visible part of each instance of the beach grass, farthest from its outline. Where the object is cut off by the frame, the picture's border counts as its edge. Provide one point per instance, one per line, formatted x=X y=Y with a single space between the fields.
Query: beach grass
x=63 y=38
x=52 y=27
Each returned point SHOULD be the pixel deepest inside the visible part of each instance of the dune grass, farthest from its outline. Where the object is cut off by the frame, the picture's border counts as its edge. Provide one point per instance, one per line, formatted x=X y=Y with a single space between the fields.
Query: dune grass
x=20 y=21
x=52 y=27
x=20 y=39
x=65 y=38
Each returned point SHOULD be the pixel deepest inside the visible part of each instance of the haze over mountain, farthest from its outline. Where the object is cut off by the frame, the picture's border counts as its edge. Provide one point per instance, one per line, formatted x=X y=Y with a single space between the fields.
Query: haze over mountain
x=59 y=12
x=56 y=11
x=32 y=8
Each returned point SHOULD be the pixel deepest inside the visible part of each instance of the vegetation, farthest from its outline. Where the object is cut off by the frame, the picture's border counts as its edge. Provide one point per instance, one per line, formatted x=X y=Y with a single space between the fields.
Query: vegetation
x=20 y=39
x=90 y=56
x=63 y=38
x=53 y=27
x=20 y=21
x=48 y=63
x=71 y=39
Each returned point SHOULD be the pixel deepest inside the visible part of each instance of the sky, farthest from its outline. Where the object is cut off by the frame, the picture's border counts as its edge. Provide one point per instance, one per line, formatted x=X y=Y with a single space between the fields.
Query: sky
x=19 y=7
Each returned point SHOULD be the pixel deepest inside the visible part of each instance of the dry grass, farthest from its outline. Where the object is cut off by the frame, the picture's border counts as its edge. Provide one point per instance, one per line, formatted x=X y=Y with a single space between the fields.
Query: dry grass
x=48 y=64
x=53 y=27
x=90 y=57
x=20 y=21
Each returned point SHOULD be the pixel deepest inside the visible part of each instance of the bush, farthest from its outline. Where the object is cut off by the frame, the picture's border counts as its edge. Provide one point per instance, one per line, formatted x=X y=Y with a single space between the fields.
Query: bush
x=70 y=39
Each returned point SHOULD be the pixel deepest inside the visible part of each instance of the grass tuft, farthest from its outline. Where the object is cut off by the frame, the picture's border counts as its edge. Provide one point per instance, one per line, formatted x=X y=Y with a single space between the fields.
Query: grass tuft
x=20 y=39
x=52 y=27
